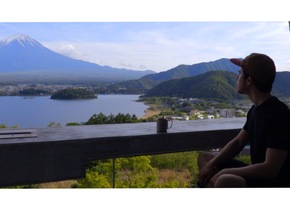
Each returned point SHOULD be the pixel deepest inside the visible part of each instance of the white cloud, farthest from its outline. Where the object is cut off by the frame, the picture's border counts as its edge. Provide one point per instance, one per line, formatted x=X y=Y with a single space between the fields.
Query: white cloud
x=166 y=46
x=69 y=50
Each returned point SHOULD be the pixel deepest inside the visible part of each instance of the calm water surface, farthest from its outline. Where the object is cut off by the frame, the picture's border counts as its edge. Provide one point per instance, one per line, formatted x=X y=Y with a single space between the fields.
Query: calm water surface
x=39 y=111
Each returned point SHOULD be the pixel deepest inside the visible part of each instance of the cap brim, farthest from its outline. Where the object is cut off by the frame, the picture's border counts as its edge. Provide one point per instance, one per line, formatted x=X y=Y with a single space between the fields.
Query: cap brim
x=236 y=61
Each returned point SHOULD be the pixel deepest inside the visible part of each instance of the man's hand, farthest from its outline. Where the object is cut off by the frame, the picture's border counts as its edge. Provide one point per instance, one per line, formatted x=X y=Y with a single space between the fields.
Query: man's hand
x=206 y=174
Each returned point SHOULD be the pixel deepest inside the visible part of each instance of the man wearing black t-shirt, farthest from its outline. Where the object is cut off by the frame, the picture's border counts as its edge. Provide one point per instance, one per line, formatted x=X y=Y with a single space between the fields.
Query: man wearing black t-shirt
x=267 y=131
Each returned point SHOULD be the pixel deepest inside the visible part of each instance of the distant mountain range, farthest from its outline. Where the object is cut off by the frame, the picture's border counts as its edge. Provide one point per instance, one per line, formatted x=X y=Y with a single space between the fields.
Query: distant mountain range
x=149 y=81
x=210 y=80
x=25 y=60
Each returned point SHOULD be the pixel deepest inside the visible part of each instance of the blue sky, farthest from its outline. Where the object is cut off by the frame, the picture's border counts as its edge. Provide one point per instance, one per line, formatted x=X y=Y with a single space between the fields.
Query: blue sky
x=149 y=43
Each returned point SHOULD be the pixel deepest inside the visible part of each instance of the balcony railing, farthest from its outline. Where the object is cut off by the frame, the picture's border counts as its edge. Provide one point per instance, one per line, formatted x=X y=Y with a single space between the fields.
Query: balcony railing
x=30 y=156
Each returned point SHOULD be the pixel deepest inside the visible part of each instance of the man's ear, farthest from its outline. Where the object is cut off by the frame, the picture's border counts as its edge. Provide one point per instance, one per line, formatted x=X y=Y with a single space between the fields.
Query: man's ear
x=249 y=80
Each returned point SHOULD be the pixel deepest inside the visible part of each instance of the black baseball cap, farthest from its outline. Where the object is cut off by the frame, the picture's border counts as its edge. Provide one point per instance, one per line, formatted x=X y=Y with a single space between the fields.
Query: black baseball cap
x=260 y=67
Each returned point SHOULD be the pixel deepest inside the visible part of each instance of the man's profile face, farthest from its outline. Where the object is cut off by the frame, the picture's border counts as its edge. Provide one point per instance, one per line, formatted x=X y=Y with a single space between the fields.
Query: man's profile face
x=241 y=82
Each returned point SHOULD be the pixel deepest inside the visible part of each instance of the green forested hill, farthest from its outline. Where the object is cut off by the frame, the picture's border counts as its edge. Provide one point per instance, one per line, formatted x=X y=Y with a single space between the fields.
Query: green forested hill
x=218 y=85
x=210 y=85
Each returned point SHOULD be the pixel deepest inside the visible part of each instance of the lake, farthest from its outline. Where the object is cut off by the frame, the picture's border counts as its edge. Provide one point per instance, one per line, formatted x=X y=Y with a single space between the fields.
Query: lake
x=39 y=111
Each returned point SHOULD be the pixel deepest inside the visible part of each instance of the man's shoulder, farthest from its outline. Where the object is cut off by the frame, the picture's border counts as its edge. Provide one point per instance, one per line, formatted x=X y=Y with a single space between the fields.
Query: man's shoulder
x=276 y=102
x=279 y=112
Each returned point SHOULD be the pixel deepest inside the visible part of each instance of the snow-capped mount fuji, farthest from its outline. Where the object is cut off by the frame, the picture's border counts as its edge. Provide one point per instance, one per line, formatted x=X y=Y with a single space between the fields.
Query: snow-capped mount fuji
x=21 y=39
x=23 y=57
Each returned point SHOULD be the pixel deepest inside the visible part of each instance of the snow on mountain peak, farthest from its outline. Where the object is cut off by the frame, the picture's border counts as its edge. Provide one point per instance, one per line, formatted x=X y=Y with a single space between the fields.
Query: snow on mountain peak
x=22 y=39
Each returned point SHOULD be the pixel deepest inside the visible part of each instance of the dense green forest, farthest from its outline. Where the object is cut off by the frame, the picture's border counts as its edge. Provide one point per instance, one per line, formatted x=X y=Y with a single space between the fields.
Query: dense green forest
x=176 y=170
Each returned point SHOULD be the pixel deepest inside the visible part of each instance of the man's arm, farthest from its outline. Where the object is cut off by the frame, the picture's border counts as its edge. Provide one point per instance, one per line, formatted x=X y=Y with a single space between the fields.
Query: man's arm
x=230 y=150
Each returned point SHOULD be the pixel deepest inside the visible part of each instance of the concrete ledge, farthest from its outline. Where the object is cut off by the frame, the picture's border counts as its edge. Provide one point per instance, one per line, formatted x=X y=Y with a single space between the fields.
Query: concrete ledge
x=59 y=153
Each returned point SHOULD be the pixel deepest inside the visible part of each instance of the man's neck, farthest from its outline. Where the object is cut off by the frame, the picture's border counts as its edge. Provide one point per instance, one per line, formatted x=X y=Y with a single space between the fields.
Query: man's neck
x=258 y=97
